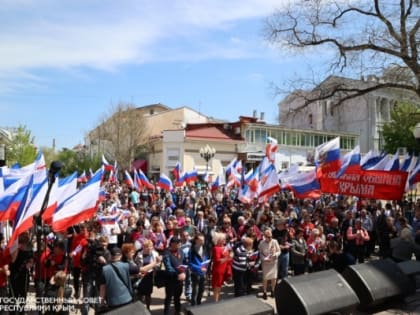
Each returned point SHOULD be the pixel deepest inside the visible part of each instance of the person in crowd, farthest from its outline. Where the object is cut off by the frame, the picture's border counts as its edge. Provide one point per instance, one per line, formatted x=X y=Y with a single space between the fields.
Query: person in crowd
x=228 y=230
x=386 y=234
x=403 y=247
x=367 y=224
x=316 y=251
x=337 y=259
x=200 y=222
x=157 y=236
x=148 y=260
x=80 y=241
x=173 y=261
x=198 y=264
x=4 y=275
x=115 y=284
x=185 y=248
x=221 y=264
x=269 y=250
x=347 y=222
x=94 y=256
x=357 y=238
x=281 y=234
x=58 y=293
x=299 y=252
x=189 y=228
x=244 y=258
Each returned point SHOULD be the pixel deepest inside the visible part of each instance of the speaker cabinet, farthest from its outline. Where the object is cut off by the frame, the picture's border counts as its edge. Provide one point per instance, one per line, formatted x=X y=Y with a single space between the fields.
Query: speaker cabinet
x=249 y=305
x=377 y=281
x=137 y=308
x=315 y=293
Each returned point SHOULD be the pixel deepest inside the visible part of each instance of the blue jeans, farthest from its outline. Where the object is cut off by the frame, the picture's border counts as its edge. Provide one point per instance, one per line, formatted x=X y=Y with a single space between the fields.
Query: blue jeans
x=283 y=265
x=198 y=282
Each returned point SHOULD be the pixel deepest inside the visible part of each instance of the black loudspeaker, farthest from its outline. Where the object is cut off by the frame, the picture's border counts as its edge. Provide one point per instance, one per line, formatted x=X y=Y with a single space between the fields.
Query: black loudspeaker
x=249 y=305
x=137 y=308
x=315 y=293
x=377 y=281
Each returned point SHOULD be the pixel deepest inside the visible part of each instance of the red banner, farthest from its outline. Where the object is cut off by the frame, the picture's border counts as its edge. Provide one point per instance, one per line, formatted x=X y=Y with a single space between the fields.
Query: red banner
x=387 y=185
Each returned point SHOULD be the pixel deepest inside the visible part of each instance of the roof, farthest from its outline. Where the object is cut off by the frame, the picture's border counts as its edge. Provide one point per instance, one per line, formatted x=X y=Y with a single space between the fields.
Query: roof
x=211 y=131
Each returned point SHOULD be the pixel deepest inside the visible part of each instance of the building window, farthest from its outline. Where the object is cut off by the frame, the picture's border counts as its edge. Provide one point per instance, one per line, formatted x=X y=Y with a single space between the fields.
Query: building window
x=310 y=119
x=152 y=111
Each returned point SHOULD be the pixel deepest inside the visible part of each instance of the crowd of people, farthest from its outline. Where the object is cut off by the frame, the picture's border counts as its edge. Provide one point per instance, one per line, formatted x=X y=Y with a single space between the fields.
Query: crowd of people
x=191 y=240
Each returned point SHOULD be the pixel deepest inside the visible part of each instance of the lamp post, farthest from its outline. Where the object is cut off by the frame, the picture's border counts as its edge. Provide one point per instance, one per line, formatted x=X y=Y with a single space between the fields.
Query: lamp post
x=2 y=154
x=207 y=153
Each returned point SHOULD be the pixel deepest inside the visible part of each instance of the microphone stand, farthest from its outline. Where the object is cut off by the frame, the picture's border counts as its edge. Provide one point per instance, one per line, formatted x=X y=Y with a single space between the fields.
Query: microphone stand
x=39 y=227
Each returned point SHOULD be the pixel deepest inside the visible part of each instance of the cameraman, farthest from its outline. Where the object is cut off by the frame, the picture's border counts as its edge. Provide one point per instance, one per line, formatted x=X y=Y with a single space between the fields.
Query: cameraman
x=93 y=259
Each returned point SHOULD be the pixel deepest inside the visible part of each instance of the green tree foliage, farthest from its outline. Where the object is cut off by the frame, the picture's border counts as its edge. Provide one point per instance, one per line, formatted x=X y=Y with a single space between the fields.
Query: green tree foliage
x=77 y=161
x=399 y=131
x=21 y=148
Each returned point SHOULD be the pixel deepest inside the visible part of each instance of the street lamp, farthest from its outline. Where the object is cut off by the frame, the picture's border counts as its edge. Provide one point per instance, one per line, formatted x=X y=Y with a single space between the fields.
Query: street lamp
x=207 y=153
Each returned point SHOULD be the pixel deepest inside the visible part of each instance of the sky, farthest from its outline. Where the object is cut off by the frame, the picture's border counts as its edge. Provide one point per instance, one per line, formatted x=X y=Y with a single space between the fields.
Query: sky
x=64 y=64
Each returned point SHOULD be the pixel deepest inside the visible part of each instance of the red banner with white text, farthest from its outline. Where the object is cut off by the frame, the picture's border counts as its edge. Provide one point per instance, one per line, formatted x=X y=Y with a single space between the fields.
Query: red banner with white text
x=386 y=185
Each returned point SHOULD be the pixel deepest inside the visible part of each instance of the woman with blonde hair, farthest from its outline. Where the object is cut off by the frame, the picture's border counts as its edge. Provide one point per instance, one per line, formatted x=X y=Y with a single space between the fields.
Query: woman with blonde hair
x=269 y=250
x=221 y=264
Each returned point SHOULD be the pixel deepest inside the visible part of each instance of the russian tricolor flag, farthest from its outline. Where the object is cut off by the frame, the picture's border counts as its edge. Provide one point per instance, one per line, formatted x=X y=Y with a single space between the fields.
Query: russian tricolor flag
x=327 y=156
x=106 y=165
x=128 y=180
x=305 y=185
x=145 y=181
x=164 y=182
x=215 y=185
x=191 y=176
x=177 y=171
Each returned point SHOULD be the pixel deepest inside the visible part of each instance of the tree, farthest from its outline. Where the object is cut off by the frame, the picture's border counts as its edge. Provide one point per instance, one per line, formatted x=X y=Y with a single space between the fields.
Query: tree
x=121 y=134
x=399 y=131
x=381 y=33
x=79 y=161
x=21 y=148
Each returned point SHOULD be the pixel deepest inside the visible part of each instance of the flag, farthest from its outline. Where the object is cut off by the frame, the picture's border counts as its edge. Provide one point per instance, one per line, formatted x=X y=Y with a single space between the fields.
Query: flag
x=145 y=181
x=137 y=182
x=82 y=178
x=271 y=149
x=177 y=171
x=409 y=163
x=128 y=180
x=245 y=195
x=230 y=166
x=414 y=177
x=215 y=185
x=164 y=182
x=80 y=207
x=190 y=176
x=181 y=180
x=305 y=185
x=350 y=160
x=13 y=196
x=327 y=157
x=393 y=163
x=106 y=165
x=61 y=190
x=371 y=159
x=269 y=182
x=21 y=219
x=207 y=177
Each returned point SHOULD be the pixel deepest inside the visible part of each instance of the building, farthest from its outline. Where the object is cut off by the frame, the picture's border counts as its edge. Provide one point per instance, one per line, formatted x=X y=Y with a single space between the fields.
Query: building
x=363 y=115
x=154 y=119
x=244 y=139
